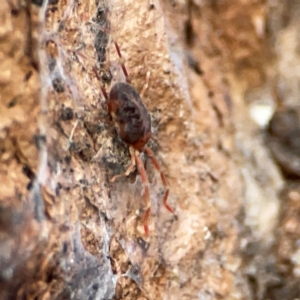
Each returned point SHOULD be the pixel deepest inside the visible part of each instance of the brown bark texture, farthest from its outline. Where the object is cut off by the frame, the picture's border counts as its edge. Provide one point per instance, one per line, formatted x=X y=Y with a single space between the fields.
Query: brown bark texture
x=217 y=71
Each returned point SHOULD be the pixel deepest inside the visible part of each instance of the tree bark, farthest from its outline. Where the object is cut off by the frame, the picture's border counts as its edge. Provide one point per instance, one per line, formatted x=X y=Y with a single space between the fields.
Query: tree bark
x=67 y=232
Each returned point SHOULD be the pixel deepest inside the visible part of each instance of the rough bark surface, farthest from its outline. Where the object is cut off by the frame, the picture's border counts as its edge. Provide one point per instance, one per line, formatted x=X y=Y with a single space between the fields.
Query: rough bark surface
x=66 y=231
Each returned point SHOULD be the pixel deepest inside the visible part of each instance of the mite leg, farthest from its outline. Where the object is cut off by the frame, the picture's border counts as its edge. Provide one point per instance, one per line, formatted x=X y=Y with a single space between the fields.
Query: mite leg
x=122 y=62
x=130 y=169
x=145 y=85
x=101 y=84
x=162 y=176
x=106 y=30
x=144 y=177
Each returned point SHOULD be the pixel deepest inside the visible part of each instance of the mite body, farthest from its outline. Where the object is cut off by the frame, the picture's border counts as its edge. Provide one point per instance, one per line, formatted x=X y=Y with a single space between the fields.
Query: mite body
x=133 y=124
x=130 y=115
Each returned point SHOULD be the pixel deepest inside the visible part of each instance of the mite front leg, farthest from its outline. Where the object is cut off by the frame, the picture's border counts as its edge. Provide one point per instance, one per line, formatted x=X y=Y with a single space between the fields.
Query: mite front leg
x=122 y=62
x=145 y=86
x=130 y=169
x=162 y=176
x=145 y=181
x=104 y=92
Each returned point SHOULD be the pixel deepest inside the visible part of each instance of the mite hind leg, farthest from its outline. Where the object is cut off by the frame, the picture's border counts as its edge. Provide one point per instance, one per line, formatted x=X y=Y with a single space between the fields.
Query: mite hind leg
x=142 y=171
x=162 y=176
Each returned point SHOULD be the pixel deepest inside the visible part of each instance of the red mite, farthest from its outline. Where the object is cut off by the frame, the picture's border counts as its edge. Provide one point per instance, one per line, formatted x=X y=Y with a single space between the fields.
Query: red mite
x=133 y=124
